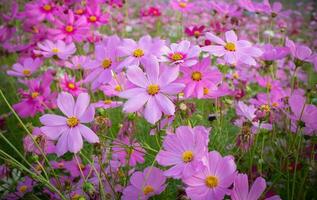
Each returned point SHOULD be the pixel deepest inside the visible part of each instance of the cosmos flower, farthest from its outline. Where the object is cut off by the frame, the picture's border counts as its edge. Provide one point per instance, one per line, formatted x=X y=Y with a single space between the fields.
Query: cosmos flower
x=233 y=50
x=107 y=103
x=182 y=5
x=69 y=84
x=214 y=180
x=154 y=88
x=184 y=151
x=95 y=16
x=241 y=188
x=76 y=62
x=195 y=31
x=118 y=83
x=44 y=143
x=124 y=148
x=70 y=29
x=299 y=51
x=60 y=49
x=26 y=69
x=69 y=130
x=199 y=78
x=144 y=185
x=183 y=54
x=40 y=10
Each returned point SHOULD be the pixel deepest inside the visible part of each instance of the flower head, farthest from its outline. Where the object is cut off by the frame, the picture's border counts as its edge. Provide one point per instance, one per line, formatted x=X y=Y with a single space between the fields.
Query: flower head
x=59 y=49
x=26 y=69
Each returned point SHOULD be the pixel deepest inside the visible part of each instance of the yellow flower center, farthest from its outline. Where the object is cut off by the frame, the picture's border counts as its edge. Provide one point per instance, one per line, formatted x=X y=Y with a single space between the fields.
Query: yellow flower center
x=47 y=7
x=275 y=104
x=69 y=29
x=230 y=46
x=23 y=188
x=265 y=108
x=107 y=101
x=71 y=85
x=211 y=181
x=269 y=86
x=235 y=75
x=26 y=72
x=138 y=53
x=92 y=18
x=196 y=33
x=34 y=95
x=106 y=63
x=206 y=91
x=148 y=189
x=72 y=121
x=187 y=156
x=196 y=76
x=55 y=50
x=177 y=56
x=153 y=89
x=118 y=88
x=182 y=4
x=79 y=11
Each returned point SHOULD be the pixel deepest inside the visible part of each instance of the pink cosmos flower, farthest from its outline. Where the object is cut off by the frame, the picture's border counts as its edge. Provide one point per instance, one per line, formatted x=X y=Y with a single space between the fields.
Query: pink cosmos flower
x=70 y=29
x=40 y=10
x=248 y=113
x=214 y=180
x=104 y=64
x=108 y=103
x=153 y=89
x=136 y=52
x=214 y=92
x=299 y=51
x=59 y=49
x=194 y=31
x=182 y=53
x=181 y=5
x=241 y=188
x=69 y=130
x=271 y=53
x=303 y=115
x=76 y=62
x=184 y=151
x=74 y=167
x=70 y=85
x=145 y=184
x=199 y=78
x=233 y=50
x=124 y=148
x=43 y=142
x=24 y=187
x=118 y=84
x=26 y=69
x=37 y=98
x=95 y=16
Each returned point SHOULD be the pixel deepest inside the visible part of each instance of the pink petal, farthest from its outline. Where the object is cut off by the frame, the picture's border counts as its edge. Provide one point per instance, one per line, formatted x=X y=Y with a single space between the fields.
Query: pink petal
x=231 y=36
x=166 y=105
x=257 y=189
x=135 y=103
x=61 y=146
x=152 y=112
x=75 y=140
x=137 y=77
x=81 y=105
x=215 y=39
x=66 y=103
x=53 y=132
x=88 y=134
x=53 y=120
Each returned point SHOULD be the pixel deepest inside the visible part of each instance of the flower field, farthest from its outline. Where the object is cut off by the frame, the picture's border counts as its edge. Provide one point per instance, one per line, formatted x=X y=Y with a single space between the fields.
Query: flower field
x=158 y=99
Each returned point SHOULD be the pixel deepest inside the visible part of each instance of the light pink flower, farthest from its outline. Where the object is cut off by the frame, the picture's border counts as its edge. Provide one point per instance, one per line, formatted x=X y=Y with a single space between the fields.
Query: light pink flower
x=69 y=130
x=26 y=69
x=60 y=49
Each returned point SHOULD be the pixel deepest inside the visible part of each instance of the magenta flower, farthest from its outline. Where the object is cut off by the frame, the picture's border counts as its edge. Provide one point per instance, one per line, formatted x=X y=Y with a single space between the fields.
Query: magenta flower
x=214 y=180
x=184 y=151
x=37 y=98
x=232 y=49
x=70 y=85
x=195 y=31
x=124 y=148
x=199 y=78
x=69 y=130
x=70 y=29
x=95 y=16
x=137 y=52
x=303 y=115
x=152 y=89
x=40 y=10
x=145 y=184
x=299 y=51
x=105 y=63
x=26 y=69
x=183 y=54
x=241 y=188
x=59 y=49
x=271 y=53
x=24 y=187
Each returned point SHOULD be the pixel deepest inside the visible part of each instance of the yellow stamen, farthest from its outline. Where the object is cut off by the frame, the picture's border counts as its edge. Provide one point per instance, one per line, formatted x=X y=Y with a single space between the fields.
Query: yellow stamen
x=153 y=89
x=47 y=7
x=182 y=4
x=269 y=86
x=26 y=72
x=230 y=46
x=79 y=11
x=138 y=53
x=196 y=76
x=177 y=56
x=148 y=189
x=275 y=104
x=235 y=75
x=69 y=28
x=55 y=50
x=196 y=33
x=118 y=88
x=71 y=85
x=206 y=91
x=211 y=181
x=265 y=108
x=187 y=156
x=72 y=121
x=92 y=18
x=107 y=101
x=23 y=188
x=106 y=63
x=34 y=95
